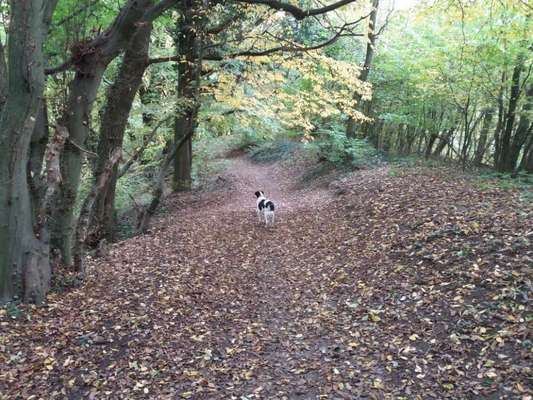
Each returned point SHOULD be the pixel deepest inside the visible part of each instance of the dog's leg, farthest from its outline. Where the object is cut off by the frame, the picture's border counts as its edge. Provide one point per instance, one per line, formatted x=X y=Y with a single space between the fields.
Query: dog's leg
x=273 y=218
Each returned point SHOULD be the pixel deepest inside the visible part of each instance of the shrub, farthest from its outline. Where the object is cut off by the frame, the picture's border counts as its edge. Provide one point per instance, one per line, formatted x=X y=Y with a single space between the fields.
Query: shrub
x=273 y=151
x=334 y=147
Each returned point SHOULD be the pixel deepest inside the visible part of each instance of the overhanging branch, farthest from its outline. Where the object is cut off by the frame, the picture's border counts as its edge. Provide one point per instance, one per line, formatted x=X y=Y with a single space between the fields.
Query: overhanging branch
x=293 y=47
x=295 y=11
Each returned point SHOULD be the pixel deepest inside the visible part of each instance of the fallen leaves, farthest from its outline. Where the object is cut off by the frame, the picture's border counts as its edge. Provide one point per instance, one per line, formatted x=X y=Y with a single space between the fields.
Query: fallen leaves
x=412 y=286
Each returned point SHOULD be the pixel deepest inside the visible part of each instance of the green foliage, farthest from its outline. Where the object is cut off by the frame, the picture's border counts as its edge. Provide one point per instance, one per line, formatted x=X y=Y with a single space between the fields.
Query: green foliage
x=413 y=160
x=208 y=160
x=269 y=152
x=441 y=63
x=134 y=186
x=334 y=147
x=14 y=311
x=521 y=181
x=247 y=138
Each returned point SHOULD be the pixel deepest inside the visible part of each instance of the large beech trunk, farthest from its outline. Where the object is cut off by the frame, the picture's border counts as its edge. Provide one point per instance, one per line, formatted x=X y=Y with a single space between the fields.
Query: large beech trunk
x=114 y=120
x=24 y=261
x=39 y=141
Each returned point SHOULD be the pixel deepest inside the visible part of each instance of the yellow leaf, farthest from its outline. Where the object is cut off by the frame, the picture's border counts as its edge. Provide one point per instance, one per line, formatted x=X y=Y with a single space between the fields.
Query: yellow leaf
x=377 y=383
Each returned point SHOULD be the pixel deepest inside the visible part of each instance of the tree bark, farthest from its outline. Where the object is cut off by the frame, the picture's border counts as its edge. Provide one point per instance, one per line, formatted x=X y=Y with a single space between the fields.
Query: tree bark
x=523 y=130
x=38 y=144
x=87 y=207
x=3 y=77
x=527 y=160
x=114 y=120
x=429 y=146
x=24 y=262
x=444 y=141
x=488 y=114
x=187 y=46
x=182 y=179
x=505 y=160
x=351 y=125
x=81 y=97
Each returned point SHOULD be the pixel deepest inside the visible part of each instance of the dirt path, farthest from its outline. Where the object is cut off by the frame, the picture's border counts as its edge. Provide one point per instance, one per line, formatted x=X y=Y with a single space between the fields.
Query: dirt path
x=276 y=181
x=373 y=294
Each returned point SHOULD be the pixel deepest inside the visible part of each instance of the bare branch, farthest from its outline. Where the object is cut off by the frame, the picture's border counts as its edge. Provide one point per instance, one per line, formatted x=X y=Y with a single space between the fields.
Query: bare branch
x=77 y=146
x=60 y=68
x=386 y=23
x=292 y=47
x=157 y=192
x=295 y=11
x=138 y=153
x=220 y=27
x=296 y=47
x=158 y=9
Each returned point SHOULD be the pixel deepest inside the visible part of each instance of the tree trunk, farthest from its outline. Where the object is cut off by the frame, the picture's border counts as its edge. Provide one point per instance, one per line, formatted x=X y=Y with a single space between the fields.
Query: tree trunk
x=85 y=213
x=77 y=119
x=505 y=159
x=190 y=32
x=92 y=58
x=159 y=186
x=488 y=114
x=114 y=120
x=523 y=130
x=182 y=179
x=429 y=147
x=527 y=160
x=3 y=77
x=24 y=262
x=500 y=122
x=444 y=141
x=38 y=143
x=189 y=47
x=351 y=124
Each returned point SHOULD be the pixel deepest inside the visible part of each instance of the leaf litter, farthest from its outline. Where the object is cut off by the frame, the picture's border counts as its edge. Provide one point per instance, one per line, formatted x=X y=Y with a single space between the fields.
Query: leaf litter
x=412 y=286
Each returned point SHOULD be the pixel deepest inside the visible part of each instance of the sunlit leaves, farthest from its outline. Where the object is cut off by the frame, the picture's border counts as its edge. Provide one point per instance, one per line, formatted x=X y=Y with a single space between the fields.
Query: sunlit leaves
x=301 y=90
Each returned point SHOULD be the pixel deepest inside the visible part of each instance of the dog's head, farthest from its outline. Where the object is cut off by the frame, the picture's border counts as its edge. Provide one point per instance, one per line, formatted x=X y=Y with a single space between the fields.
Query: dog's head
x=259 y=193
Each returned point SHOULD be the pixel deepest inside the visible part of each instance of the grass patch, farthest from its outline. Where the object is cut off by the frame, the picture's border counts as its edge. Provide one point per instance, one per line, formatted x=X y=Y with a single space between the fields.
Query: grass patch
x=522 y=182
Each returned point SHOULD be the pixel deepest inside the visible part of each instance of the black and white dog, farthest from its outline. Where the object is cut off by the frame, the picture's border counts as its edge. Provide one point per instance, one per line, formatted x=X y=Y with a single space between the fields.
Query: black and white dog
x=265 y=208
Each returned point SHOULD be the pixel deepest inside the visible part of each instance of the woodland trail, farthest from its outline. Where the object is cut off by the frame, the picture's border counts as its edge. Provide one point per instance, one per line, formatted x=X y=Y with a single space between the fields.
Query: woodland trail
x=359 y=294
